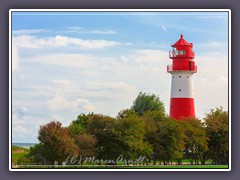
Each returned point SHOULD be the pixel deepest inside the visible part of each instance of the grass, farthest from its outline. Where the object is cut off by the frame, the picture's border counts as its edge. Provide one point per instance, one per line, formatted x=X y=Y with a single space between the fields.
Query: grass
x=18 y=153
x=16 y=148
x=129 y=167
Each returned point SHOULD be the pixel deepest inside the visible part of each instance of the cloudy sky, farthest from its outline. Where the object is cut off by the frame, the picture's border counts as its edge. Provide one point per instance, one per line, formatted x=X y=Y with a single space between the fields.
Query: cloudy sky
x=68 y=63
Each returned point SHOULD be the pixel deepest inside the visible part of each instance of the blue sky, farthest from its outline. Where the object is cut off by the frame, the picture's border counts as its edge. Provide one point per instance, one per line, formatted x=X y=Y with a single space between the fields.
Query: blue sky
x=67 y=63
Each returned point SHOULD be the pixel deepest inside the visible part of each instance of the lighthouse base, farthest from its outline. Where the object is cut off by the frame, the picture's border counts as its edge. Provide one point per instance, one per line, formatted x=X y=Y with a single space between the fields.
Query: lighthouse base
x=181 y=108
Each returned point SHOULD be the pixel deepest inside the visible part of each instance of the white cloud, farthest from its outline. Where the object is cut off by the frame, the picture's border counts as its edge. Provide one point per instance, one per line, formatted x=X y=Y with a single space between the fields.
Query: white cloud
x=103 y=32
x=18 y=125
x=87 y=106
x=20 y=129
x=212 y=65
x=126 y=75
x=16 y=120
x=75 y=28
x=55 y=117
x=32 y=42
x=67 y=60
x=24 y=109
x=61 y=82
x=144 y=63
x=116 y=91
x=212 y=46
x=145 y=58
x=27 y=41
x=25 y=127
x=22 y=77
x=110 y=86
x=215 y=44
x=81 y=30
x=68 y=73
x=28 y=31
x=20 y=110
x=15 y=59
x=84 y=44
x=59 y=102
x=211 y=82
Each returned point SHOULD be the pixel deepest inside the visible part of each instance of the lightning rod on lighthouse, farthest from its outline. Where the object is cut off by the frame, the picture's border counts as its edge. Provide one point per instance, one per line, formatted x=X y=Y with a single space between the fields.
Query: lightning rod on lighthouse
x=182 y=69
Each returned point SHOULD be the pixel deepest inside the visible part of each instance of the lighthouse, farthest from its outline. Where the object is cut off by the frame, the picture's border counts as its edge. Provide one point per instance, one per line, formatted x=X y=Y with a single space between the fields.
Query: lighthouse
x=182 y=69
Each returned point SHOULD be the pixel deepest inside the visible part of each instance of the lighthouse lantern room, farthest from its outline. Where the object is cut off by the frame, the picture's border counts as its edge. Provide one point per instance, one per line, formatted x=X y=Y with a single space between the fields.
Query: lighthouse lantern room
x=182 y=69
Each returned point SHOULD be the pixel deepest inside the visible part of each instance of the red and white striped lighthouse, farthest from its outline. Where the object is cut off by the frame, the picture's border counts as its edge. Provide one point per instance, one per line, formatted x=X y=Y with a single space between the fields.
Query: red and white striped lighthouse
x=182 y=69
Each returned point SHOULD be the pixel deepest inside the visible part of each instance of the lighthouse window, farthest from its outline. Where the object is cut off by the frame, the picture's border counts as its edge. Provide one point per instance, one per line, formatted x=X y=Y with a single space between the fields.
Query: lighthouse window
x=181 y=52
x=179 y=89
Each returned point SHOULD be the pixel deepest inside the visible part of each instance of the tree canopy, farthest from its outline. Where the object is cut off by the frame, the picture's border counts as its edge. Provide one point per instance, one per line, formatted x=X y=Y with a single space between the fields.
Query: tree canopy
x=56 y=144
x=147 y=102
x=217 y=133
x=143 y=130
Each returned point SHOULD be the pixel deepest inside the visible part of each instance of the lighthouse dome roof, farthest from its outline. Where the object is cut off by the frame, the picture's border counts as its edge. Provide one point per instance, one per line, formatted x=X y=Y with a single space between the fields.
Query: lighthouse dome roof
x=181 y=42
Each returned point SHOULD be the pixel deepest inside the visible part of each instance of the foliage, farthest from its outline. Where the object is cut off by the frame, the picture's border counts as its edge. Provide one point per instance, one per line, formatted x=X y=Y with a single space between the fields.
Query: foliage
x=217 y=133
x=56 y=143
x=103 y=128
x=37 y=152
x=83 y=120
x=152 y=120
x=147 y=102
x=131 y=132
x=126 y=113
x=169 y=142
x=142 y=130
x=195 y=140
x=74 y=129
x=86 y=144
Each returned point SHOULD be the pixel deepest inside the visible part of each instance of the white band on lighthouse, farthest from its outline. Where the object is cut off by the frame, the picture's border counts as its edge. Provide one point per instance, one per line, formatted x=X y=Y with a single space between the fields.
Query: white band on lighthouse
x=182 y=86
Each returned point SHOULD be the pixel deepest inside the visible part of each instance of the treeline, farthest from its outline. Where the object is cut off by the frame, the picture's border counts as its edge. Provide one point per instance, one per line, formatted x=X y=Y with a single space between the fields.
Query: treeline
x=142 y=130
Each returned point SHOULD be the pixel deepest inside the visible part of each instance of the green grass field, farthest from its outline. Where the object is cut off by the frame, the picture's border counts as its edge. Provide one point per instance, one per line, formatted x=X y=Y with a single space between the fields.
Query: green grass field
x=130 y=167
x=16 y=148
x=17 y=156
x=18 y=153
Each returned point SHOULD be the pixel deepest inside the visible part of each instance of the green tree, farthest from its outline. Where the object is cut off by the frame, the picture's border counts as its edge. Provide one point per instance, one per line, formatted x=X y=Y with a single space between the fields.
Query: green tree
x=152 y=120
x=103 y=129
x=147 y=102
x=75 y=129
x=37 y=153
x=217 y=132
x=169 y=142
x=195 y=140
x=78 y=131
x=83 y=120
x=126 y=113
x=131 y=131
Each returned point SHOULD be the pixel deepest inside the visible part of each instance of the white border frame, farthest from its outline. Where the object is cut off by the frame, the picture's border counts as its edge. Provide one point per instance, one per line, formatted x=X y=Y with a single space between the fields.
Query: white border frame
x=117 y=10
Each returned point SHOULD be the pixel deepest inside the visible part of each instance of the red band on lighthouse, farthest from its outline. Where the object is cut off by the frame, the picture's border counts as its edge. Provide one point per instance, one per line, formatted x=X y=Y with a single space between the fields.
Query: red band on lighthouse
x=182 y=69
x=182 y=107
